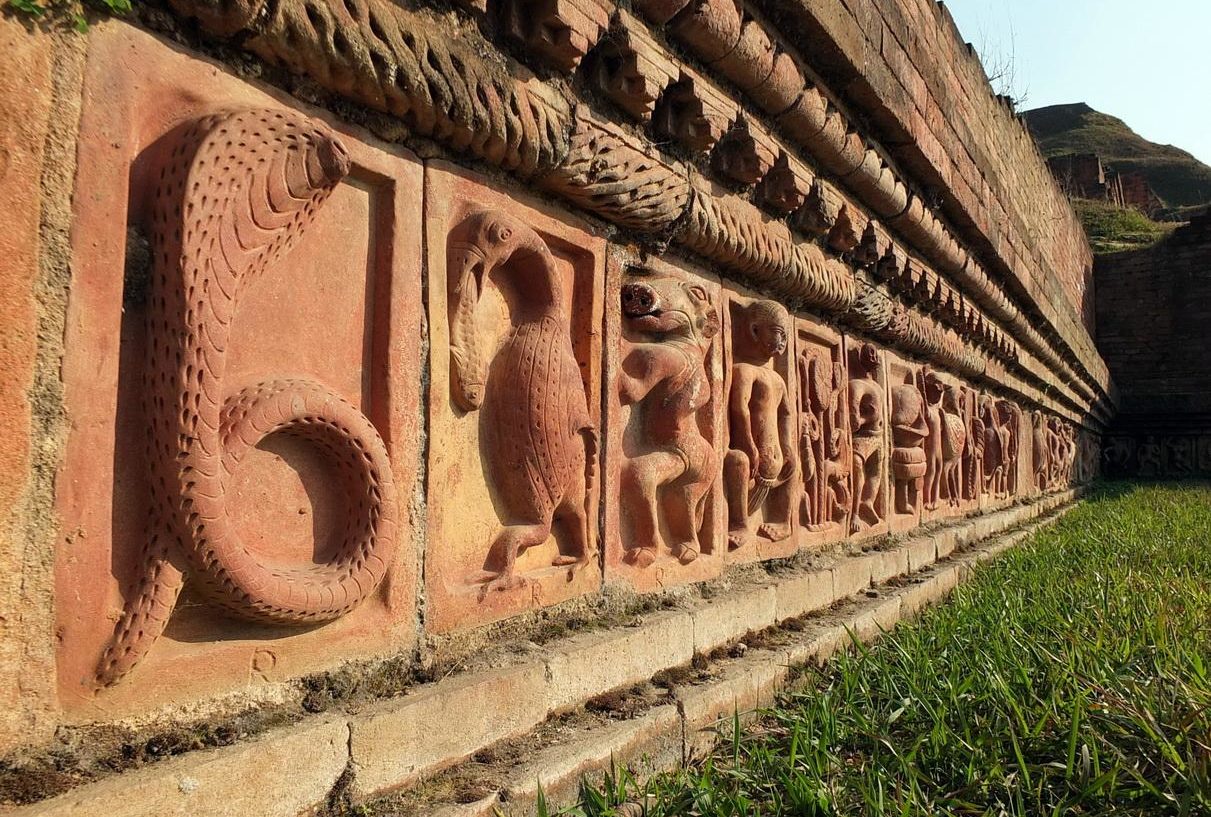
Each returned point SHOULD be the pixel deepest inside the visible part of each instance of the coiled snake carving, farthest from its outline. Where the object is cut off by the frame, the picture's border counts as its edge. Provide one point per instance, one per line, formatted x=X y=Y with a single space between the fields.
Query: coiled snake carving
x=233 y=197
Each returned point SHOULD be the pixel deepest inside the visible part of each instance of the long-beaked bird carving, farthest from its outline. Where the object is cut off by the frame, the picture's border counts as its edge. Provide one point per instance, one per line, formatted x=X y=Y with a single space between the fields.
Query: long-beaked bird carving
x=234 y=196
x=539 y=441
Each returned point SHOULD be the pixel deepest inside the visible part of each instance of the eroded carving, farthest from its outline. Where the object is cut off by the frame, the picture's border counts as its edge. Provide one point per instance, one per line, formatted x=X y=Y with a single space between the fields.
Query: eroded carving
x=608 y=172
x=631 y=69
x=745 y=153
x=559 y=31
x=761 y=459
x=785 y=186
x=234 y=196
x=669 y=326
x=539 y=440
x=867 y=413
x=1150 y=458
x=694 y=113
x=408 y=63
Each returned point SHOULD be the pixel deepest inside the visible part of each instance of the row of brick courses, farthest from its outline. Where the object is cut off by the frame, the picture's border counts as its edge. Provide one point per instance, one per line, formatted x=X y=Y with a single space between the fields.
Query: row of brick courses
x=906 y=66
x=1154 y=323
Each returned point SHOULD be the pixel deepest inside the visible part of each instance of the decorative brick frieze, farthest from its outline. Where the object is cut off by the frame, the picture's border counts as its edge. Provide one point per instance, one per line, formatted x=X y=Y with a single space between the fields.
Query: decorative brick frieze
x=746 y=153
x=559 y=32
x=615 y=175
x=694 y=113
x=710 y=27
x=530 y=134
x=631 y=68
x=785 y=188
x=514 y=409
x=754 y=57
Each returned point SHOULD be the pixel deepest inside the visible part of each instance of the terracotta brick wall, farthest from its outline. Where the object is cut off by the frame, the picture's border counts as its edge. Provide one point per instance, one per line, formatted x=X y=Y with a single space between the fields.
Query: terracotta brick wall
x=915 y=76
x=369 y=341
x=1154 y=330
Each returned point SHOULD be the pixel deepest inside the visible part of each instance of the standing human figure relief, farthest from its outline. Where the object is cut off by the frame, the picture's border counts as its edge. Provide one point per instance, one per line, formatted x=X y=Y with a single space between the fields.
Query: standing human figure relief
x=1010 y=416
x=1040 y=451
x=866 y=406
x=761 y=458
x=669 y=326
x=539 y=440
x=233 y=197
x=1055 y=451
x=954 y=444
x=826 y=497
x=976 y=441
x=932 y=388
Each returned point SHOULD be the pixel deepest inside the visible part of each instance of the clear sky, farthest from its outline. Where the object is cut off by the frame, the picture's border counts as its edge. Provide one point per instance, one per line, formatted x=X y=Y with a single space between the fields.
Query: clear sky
x=1148 y=62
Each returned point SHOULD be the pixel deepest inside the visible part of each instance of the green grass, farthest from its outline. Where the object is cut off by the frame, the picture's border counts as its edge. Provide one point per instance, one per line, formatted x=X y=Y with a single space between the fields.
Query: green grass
x=1070 y=677
x=1111 y=228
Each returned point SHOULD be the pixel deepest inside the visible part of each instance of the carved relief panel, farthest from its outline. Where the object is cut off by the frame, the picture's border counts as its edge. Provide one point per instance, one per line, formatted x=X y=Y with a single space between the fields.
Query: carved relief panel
x=1118 y=455
x=233 y=481
x=1001 y=425
x=668 y=434
x=1088 y=455
x=869 y=423
x=914 y=453
x=949 y=406
x=761 y=461
x=826 y=455
x=1204 y=455
x=1181 y=460
x=514 y=306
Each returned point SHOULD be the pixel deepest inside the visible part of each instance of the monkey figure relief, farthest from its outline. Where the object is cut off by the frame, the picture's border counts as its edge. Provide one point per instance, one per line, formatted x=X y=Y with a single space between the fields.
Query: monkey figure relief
x=539 y=441
x=825 y=469
x=760 y=461
x=669 y=465
x=867 y=417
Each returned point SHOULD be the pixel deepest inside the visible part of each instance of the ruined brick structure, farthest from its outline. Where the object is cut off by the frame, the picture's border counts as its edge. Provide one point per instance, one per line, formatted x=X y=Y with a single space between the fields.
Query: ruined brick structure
x=356 y=340
x=1083 y=176
x=1154 y=314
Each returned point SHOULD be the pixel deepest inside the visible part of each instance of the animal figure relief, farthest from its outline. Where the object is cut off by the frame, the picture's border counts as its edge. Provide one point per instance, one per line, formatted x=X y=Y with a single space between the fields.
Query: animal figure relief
x=867 y=417
x=761 y=459
x=538 y=439
x=669 y=466
x=954 y=444
x=234 y=196
x=826 y=493
x=909 y=431
x=999 y=447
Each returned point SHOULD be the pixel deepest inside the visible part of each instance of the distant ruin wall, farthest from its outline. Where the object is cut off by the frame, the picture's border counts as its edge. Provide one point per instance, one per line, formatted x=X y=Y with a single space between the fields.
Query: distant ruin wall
x=1083 y=176
x=1154 y=329
x=353 y=345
